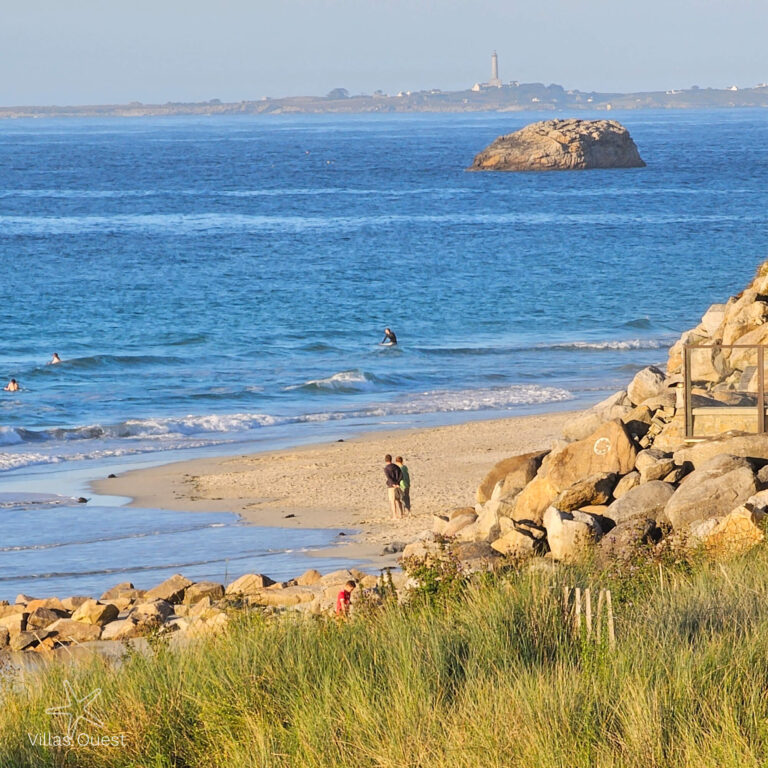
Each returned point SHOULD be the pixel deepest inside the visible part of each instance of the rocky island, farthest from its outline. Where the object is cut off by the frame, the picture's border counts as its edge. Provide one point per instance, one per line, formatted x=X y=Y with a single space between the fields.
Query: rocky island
x=561 y=145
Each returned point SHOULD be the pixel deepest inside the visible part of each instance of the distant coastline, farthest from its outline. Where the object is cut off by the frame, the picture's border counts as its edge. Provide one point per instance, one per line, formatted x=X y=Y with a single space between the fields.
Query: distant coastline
x=513 y=97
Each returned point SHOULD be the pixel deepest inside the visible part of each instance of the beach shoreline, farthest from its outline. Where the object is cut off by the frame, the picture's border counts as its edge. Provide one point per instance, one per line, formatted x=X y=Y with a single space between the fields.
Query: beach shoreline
x=341 y=484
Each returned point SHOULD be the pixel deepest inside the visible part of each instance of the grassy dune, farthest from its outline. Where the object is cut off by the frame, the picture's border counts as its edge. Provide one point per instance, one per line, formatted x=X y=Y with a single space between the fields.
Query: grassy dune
x=489 y=675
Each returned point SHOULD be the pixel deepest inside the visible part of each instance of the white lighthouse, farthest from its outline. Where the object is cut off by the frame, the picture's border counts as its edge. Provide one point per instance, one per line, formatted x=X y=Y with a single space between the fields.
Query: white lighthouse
x=494 y=81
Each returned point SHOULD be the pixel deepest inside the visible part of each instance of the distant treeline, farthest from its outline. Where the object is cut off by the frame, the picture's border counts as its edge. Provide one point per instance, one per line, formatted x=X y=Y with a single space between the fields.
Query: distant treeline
x=510 y=97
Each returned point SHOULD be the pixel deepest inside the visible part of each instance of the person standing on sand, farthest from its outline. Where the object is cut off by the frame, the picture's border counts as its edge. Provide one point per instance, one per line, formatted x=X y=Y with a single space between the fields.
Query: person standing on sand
x=344 y=598
x=405 y=483
x=12 y=386
x=394 y=476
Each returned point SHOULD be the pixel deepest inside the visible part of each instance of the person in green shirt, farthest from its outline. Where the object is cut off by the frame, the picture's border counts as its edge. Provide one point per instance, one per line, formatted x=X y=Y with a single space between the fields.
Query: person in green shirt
x=405 y=484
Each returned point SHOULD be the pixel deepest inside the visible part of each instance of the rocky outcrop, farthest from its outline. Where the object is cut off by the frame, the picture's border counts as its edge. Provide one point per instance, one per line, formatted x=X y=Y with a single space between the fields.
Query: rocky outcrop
x=625 y=477
x=561 y=145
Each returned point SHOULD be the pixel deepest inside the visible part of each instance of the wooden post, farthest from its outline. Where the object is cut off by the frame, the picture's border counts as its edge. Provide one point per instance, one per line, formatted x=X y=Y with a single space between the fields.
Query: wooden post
x=588 y=610
x=566 y=600
x=609 y=607
x=600 y=611
x=577 y=618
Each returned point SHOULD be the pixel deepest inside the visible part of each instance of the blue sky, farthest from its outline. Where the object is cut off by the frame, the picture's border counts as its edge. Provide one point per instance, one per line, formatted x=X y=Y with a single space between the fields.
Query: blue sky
x=106 y=51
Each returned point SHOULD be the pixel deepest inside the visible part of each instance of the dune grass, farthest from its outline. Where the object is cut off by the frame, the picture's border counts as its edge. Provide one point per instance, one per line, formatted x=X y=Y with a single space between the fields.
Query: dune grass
x=491 y=675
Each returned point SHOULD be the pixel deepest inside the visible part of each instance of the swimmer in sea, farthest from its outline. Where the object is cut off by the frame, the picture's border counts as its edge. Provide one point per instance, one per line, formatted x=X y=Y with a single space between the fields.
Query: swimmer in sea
x=12 y=386
x=55 y=359
x=389 y=339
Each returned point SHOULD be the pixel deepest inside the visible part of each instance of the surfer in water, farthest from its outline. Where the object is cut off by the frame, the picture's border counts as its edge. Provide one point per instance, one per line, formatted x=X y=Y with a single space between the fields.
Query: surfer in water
x=389 y=340
x=55 y=359
x=12 y=386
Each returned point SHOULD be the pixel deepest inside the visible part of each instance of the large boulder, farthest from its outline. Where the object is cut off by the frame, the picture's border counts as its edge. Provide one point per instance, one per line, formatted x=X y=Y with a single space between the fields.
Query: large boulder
x=648 y=383
x=458 y=523
x=570 y=144
x=593 y=490
x=309 y=578
x=583 y=424
x=487 y=526
x=534 y=499
x=70 y=631
x=626 y=484
x=51 y=603
x=122 y=629
x=115 y=592
x=94 y=612
x=624 y=542
x=608 y=449
x=289 y=596
x=741 y=358
x=570 y=535
x=40 y=618
x=653 y=464
x=646 y=501
x=476 y=556
x=171 y=590
x=514 y=473
x=731 y=534
x=202 y=589
x=742 y=317
x=731 y=443
x=717 y=487
x=248 y=584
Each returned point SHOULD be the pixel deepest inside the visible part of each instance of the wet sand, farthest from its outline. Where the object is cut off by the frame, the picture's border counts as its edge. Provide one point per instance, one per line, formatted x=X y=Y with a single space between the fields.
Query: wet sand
x=341 y=484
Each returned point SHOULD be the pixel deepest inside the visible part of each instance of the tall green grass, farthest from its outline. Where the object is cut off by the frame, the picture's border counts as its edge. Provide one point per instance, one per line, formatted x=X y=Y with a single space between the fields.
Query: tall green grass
x=492 y=676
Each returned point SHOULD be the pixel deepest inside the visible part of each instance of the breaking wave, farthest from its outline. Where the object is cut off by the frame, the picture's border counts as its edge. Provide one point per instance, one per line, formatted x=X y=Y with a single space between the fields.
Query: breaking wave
x=97 y=441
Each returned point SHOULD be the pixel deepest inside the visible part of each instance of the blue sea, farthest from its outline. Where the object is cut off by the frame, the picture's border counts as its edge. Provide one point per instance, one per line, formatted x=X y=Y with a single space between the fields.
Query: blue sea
x=222 y=284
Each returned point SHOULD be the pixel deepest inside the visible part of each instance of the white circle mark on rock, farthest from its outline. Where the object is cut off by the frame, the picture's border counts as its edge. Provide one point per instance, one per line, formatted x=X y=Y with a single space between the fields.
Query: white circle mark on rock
x=602 y=446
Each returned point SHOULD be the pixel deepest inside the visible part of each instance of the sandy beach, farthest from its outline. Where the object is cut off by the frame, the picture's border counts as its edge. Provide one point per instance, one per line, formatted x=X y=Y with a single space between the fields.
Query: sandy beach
x=341 y=484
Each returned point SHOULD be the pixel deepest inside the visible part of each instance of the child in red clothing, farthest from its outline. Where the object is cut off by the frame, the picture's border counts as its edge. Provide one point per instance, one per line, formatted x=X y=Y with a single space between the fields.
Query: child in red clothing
x=342 y=601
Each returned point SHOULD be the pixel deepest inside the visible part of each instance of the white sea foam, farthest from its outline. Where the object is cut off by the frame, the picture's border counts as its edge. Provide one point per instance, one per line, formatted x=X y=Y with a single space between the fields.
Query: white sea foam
x=194 y=431
x=494 y=398
x=183 y=223
x=610 y=345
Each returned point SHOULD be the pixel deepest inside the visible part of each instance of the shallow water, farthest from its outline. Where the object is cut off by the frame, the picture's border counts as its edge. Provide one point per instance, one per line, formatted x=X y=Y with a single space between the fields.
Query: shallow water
x=50 y=547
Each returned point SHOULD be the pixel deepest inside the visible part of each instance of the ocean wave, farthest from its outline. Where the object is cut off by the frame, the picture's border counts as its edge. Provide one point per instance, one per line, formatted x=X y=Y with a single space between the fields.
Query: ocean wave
x=344 y=381
x=213 y=223
x=639 y=322
x=609 y=345
x=10 y=436
x=108 y=361
x=194 y=431
x=18 y=460
x=493 y=398
x=511 y=349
